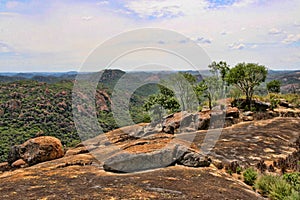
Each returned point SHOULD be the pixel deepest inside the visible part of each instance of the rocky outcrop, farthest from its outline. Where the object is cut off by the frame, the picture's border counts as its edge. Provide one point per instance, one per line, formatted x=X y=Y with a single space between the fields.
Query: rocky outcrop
x=257 y=105
x=103 y=100
x=35 y=150
x=175 y=154
x=189 y=122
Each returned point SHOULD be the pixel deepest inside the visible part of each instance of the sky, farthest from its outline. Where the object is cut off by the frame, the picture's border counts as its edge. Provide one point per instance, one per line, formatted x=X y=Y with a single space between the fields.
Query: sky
x=59 y=35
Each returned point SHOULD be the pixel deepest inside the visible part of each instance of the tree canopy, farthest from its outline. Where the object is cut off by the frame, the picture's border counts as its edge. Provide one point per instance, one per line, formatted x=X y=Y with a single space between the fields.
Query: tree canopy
x=274 y=86
x=246 y=76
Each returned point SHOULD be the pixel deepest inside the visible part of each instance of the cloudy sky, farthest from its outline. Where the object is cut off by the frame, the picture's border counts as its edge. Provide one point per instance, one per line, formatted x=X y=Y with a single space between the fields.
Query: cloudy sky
x=53 y=35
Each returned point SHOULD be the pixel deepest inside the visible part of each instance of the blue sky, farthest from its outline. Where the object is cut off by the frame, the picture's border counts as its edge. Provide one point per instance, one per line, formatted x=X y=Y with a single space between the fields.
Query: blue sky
x=53 y=35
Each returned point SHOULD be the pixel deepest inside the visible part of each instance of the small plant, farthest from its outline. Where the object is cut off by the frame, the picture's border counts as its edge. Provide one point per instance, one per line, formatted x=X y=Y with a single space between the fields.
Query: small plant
x=250 y=176
x=239 y=170
x=229 y=171
x=274 y=102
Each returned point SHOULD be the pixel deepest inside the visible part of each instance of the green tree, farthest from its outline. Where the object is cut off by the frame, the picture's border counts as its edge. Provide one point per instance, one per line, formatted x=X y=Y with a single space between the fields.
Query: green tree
x=219 y=69
x=182 y=84
x=274 y=86
x=213 y=87
x=246 y=76
x=162 y=103
x=208 y=88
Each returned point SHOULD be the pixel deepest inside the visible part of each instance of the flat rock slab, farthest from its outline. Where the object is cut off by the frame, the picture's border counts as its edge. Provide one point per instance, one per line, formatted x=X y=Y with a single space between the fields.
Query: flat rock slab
x=175 y=154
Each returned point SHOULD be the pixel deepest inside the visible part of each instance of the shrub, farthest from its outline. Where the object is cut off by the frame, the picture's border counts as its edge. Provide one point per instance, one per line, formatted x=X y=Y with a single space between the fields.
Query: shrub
x=294 y=196
x=274 y=86
x=239 y=170
x=280 y=190
x=293 y=179
x=285 y=187
x=250 y=175
x=264 y=183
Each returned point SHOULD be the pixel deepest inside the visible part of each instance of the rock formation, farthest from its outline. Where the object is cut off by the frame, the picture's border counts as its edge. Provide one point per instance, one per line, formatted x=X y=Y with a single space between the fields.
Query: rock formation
x=35 y=150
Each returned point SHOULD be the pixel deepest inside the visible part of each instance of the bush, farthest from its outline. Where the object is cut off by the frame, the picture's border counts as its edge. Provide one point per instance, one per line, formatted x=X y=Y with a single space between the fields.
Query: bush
x=264 y=183
x=293 y=179
x=274 y=86
x=294 y=196
x=250 y=175
x=280 y=190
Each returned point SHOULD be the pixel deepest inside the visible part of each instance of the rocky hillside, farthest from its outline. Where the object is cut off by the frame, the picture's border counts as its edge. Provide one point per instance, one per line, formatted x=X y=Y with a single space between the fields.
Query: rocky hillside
x=80 y=173
x=30 y=108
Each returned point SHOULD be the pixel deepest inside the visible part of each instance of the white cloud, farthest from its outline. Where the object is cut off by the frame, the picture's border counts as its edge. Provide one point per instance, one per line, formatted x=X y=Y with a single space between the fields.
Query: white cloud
x=86 y=18
x=237 y=46
x=275 y=31
x=4 y=48
x=165 y=8
x=291 y=38
x=254 y=46
x=243 y=3
x=100 y=3
x=202 y=40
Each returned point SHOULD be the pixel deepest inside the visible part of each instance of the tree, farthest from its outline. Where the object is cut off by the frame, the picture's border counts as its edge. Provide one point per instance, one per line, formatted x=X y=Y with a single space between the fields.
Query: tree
x=208 y=88
x=213 y=87
x=274 y=86
x=246 y=76
x=182 y=84
x=219 y=69
x=162 y=103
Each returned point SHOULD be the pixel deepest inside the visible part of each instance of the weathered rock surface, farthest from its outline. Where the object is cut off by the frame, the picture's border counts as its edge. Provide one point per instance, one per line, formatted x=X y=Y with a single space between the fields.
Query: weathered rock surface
x=4 y=166
x=37 y=150
x=175 y=154
x=258 y=105
x=188 y=122
x=68 y=177
x=19 y=163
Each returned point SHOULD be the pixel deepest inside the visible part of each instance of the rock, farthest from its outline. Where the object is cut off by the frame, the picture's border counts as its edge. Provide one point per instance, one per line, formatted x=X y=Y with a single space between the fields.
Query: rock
x=78 y=150
x=37 y=150
x=232 y=112
x=4 y=166
x=261 y=106
x=194 y=159
x=283 y=103
x=248 y=118
x=248 y=113
x=13 y=154
x=19 y=163
x=175 y=154
x=170 y=128
x=204 y=120
x=258 y=105
x=218 y=164
x=126 y=162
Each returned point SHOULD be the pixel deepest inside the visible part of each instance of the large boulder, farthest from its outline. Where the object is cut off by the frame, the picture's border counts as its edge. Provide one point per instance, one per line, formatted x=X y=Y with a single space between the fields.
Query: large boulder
x=171 y=155
x=37 y=150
